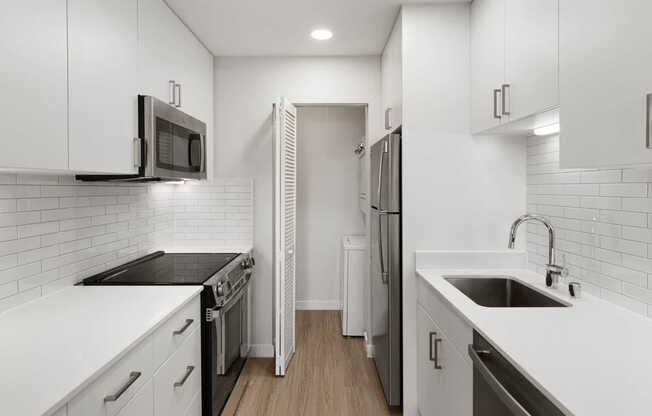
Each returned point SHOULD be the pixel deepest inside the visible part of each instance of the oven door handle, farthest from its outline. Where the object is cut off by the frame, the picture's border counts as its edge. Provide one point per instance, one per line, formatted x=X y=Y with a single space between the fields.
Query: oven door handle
x=502 y=393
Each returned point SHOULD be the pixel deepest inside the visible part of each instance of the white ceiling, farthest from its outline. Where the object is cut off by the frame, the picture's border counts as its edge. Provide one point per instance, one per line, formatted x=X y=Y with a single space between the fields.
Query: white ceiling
x=282 y=27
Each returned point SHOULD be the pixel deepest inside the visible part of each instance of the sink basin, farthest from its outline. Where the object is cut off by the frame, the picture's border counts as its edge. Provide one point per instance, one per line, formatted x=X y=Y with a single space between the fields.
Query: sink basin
x=501 y=292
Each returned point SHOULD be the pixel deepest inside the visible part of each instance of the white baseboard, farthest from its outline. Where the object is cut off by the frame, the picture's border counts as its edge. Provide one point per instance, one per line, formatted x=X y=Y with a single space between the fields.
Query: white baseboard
x=371 y=351
x=261 y=350
x=318 y=305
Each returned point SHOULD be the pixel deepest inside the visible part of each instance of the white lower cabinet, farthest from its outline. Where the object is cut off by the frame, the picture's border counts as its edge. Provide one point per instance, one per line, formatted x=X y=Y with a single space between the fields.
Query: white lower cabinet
x=113 y=390
x=195 y=406
x=445 y=378
x=179 y=379
x=61 y=412
x=142 y=404
x=161 y=376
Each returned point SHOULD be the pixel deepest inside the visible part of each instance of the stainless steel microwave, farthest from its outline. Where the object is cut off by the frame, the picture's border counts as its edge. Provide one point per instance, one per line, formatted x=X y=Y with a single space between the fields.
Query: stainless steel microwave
x=171 y=145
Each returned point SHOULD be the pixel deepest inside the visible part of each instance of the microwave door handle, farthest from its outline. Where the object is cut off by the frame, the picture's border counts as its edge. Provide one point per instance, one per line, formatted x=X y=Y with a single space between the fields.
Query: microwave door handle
x=202 y=156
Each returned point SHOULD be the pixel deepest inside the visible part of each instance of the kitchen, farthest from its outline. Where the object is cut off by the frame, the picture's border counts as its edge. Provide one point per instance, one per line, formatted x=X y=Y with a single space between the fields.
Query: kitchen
x=165 y=248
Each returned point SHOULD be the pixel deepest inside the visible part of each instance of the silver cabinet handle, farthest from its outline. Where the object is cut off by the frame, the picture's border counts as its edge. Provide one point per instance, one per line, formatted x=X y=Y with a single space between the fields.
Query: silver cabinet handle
x=184 y=327
x=133 y=376
x=504 y=395
x=177 y=88
x=434 y=357
x=189 y=371
x=138 y=154
x=504 y=91
x=172 y=92
x=387 y=114
x=496 y=113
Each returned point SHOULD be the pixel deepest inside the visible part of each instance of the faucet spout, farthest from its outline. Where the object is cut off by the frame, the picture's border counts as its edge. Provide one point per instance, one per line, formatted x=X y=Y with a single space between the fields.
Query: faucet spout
x=553 y=271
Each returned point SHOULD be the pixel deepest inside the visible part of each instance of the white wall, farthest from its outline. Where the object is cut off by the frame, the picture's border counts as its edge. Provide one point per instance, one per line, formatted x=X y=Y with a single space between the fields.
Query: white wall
x=327 y=198
x=459 y=191
x=245 y=89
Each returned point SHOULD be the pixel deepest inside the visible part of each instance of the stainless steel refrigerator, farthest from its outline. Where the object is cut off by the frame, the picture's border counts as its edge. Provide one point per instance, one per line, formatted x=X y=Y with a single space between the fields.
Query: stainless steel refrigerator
x=386 y=264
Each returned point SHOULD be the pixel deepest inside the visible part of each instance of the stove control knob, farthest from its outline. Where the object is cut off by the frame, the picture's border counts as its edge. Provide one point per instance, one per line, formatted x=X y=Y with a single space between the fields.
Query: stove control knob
x=247 y=263
x=223 y=288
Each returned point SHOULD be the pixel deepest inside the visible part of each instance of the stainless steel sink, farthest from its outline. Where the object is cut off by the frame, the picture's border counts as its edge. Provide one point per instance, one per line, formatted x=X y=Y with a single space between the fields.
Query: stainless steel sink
x=501 y=292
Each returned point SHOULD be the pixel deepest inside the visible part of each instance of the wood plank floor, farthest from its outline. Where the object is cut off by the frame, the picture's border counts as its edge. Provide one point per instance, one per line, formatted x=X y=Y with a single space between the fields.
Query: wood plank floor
x=329 y=375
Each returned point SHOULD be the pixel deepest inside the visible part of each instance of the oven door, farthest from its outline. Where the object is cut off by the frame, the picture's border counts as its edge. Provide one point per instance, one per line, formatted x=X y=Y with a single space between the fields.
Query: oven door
x=231 y=331
x=176 y=142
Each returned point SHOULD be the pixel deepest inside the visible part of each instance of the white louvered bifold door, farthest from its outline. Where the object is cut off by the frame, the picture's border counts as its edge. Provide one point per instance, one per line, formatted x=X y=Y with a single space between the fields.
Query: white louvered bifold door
x=285 y=208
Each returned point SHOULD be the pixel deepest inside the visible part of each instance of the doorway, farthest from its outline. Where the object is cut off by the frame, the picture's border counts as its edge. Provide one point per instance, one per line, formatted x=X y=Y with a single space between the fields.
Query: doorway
x=328 y=207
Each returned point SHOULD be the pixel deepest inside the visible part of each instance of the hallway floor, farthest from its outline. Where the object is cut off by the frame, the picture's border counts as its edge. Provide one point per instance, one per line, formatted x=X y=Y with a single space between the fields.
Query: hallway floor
x=328 y=375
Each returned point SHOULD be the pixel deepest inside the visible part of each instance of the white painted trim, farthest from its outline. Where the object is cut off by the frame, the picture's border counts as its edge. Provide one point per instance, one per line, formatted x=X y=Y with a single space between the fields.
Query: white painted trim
x=371 y=351
x=261 y=350
x=318 y=305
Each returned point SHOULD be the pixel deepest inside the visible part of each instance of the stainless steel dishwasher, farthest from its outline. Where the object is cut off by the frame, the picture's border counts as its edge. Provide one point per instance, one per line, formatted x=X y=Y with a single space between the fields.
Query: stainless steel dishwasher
x=499 y=389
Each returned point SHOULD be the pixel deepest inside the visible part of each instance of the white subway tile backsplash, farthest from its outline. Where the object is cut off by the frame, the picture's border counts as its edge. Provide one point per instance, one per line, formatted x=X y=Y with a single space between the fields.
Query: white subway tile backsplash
x=637 y=204
x=55 y=232
x=603 y=222
x=624 y=189
x=601 y=176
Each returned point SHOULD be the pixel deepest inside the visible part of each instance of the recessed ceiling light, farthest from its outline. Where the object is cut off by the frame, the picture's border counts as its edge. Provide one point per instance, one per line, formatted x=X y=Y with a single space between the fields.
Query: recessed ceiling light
x=547 y=130
x=321 y=34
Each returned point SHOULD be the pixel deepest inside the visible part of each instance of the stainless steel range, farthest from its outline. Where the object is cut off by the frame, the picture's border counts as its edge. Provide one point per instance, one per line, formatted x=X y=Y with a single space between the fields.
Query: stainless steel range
x=224 y=302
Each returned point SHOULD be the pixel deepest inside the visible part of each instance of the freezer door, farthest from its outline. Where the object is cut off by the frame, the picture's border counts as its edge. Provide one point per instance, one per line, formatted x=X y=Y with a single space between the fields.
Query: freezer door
x=386 y=302
x=385 y=178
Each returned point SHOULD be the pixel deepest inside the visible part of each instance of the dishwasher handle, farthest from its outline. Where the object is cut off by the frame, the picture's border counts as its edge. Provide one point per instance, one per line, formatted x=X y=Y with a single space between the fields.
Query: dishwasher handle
x=504 y=395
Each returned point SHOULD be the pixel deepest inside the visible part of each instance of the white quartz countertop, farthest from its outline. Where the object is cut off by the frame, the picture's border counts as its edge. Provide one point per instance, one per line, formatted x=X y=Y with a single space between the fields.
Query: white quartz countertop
x=591 y=359
x=53 y=347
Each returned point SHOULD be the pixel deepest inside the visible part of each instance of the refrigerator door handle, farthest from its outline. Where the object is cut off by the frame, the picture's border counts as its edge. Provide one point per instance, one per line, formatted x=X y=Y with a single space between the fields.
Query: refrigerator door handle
x=384 y=276
x=379 y=192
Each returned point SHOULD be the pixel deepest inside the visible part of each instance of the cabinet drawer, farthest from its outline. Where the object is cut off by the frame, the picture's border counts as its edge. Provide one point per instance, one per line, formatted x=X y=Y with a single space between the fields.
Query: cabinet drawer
x=195 y=406
x=121 y=381
x=179 y=379
x=142 y=404
x=456 y=329
x=175 y=331
x=61 y=412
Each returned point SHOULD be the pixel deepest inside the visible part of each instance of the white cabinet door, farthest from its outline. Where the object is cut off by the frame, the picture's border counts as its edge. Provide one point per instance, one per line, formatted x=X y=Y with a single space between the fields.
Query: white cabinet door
x=142 y=404
x=531 y=56
x=447 y=390
x=34 y=104
x=391 y=78
x=161 y=49
x=169 y=52
x=102 y=61
x=487 y=63
x=196 y=79
x=605 y=67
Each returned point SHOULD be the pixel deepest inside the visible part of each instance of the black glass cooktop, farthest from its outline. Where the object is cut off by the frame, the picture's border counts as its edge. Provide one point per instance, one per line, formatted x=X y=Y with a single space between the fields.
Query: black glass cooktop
x=165 y=269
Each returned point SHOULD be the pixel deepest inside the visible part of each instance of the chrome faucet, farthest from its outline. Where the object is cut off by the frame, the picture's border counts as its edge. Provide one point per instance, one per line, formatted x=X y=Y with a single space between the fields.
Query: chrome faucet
x=553 y=271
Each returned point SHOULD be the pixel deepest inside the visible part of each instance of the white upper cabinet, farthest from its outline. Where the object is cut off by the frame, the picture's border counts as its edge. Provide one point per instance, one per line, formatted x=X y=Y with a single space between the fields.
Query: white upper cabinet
x=174 y=66
x=103 y=63
x=531 y=56
x=391 y=79
x=34 y=105
x=487 y=62
x=605 y=74
x=514 y=48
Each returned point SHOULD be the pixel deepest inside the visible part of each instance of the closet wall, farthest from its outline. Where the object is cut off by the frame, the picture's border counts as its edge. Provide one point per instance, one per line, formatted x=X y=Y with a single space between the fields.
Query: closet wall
x=327 y=198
